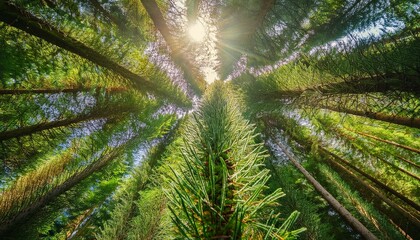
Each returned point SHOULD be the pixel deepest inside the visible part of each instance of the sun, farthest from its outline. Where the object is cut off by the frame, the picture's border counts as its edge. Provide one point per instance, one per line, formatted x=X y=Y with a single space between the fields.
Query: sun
x=197 y=32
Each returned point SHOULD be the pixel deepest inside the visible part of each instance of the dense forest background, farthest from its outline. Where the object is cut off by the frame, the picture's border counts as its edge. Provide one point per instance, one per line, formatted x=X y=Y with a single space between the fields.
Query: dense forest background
x=286 y=119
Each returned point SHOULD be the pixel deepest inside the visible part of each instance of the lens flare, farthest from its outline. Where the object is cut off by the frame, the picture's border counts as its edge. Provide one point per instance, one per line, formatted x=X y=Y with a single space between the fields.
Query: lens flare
x=197 y=32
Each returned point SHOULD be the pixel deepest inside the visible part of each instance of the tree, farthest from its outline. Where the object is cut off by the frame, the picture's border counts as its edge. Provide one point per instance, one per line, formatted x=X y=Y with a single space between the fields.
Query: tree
x=109 y=130
x=217 y=191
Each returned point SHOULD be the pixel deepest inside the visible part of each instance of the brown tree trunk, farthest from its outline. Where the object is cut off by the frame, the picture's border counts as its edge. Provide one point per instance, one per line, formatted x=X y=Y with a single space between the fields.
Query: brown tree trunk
x=102 y=113
x=376 y=181
x=405 y=160
x=388 y=142
x=65 y=186
x=64 y=90
x=25 y=21
x=358 y=226
x=413 y=217
x=400 y=120
x=397 y=167
x=74 y=225
x=194 y=78
x=269 y=121
x=382 y=83
x=351 y=139
x=409 y=162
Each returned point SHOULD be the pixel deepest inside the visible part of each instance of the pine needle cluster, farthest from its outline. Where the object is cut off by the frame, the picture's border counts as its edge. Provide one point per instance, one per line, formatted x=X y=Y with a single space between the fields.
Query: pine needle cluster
x=218 y=191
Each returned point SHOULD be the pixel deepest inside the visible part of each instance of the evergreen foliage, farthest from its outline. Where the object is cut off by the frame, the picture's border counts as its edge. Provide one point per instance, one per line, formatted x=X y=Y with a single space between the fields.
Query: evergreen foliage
x=109 y=130
x=217 y=190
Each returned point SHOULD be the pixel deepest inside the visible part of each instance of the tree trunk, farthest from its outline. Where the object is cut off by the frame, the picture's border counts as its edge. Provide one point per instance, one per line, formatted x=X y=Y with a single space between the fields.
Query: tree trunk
x=270 y=121
x=65 y=186
x=73 y=227
x=382 y=83
x=396 y=167
x=400 y=120
x=410 y=216
x=192 y=75
x=405 y=160
x=358 y=226
x=64 y=90
x=380 y=184
x=102 y=113
x=25 y=21
x=387 y=141
x=409 y=162
x=364 y=148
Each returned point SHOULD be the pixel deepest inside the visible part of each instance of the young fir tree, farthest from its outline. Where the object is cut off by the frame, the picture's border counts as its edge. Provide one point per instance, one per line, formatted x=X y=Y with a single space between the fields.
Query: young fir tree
x=218 y=191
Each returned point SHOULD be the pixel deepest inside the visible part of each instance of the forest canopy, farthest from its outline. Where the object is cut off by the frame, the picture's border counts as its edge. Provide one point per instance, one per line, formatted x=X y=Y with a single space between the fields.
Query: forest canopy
x=218 y=119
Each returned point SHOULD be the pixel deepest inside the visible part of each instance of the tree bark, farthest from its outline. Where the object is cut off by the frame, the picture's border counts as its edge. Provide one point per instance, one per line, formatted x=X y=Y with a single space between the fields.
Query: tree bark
x=364 y=148
x=25 y=21
x=64 y=90
x=377 y=182
x=387 y=141
x=358 y=226
x=194 y=78
x=396 y=167
x=269 y=121
x=102 y=113
x=382 y=83
x=405 y=160
x=400 y=120
x=410 y=216
x=65 y=186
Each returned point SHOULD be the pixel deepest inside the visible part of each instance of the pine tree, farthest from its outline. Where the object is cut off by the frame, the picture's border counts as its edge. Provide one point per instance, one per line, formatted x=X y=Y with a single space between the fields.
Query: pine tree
x=108 y=128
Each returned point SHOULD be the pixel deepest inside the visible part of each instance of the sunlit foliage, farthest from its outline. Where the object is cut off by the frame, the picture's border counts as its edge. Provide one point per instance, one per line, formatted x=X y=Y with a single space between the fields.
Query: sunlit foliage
x=110 y=128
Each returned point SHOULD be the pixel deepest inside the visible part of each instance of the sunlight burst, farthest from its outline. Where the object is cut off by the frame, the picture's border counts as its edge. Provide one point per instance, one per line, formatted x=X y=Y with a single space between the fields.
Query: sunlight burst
x=197 y=32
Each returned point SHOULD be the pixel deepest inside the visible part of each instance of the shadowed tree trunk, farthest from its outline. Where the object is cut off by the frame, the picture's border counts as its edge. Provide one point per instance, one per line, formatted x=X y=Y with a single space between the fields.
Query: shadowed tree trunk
x=404 y=159
x=25 y=21
x=376 y=181
x=396 y=167
x=387 y=141
x=400 y=120
x=34 y=206
x=411 y=216
x=97 y=114
x=351 y=139
x=386 y=83
x=194 y=78
x=64 y=90
x=75 y=225
x=358 y=226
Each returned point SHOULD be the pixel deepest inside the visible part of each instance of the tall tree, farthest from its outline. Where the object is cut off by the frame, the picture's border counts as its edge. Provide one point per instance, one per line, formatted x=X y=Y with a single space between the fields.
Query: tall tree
x=87 y=86
x=217 y=191
x=24 y=20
